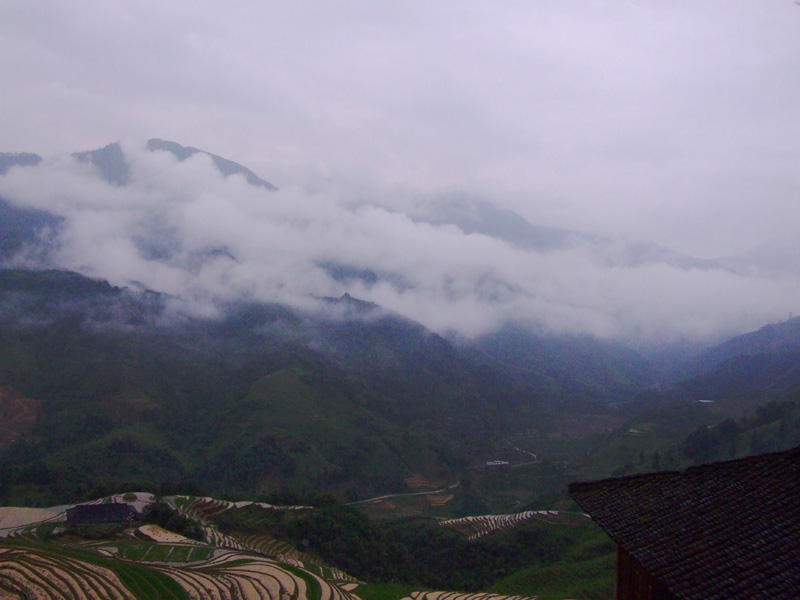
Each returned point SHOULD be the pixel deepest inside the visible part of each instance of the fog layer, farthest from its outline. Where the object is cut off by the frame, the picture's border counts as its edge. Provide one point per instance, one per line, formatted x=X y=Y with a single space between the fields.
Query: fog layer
x=183 y=228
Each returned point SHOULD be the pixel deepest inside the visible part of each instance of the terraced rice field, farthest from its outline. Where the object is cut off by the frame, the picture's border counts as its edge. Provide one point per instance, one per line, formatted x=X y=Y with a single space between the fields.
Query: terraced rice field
x=163 y=553
x=440 y=499
x=40 y=575
x=234 y=576
x=461 y=596
x=419 y=482
x=163 y=536
x=15 y=522
x=481 y=526
x=201 y=509
x=224 y=567
x=156 y=564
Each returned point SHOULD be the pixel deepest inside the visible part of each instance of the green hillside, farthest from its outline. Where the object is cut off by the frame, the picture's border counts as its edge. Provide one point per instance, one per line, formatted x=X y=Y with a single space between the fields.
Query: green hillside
x=127 y=392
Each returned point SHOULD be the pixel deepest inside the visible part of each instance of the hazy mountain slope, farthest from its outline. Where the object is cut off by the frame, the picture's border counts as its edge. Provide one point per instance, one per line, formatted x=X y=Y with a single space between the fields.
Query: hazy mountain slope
x=13 y=159
x=131 y=390
x=743 y=376
x=110 y=162
x=24 y=229
x=112 y=165
x=750 y=369
x=736 y=377
x=746 y=359
x=775 y=258
x=21 y=227
x=225 y=166
x=473 y=215
x=775 y=339
x=583 y=366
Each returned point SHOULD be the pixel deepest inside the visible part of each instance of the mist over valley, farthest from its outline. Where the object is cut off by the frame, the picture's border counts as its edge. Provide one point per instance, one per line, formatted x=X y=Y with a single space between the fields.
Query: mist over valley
x=205 y=230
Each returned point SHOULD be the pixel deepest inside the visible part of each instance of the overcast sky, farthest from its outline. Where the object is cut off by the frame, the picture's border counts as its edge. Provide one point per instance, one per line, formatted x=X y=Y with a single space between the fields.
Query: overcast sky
x=674 y=121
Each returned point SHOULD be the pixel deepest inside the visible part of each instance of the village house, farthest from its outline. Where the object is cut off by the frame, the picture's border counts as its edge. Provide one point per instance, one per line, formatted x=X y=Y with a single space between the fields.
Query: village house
x=90 y=514
x=723 y=530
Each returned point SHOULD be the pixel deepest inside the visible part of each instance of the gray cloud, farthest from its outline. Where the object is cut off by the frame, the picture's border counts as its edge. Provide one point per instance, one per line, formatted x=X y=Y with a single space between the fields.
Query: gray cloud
x=181 y=227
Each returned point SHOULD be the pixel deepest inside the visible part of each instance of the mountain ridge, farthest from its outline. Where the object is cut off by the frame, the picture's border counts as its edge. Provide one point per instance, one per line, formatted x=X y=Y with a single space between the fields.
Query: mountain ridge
x=112 y=165
x=398 y=399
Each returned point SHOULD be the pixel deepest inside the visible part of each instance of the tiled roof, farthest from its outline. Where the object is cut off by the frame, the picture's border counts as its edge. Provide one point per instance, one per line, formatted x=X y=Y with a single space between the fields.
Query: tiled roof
x=100 y=513
x=723 y=530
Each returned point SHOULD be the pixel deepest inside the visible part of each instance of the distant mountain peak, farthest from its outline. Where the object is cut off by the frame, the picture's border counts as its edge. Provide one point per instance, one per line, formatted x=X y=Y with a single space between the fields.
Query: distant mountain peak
x=110 y=161
x=473 y=215
x=352 y=306
x=113 y=166
x=13 y=159
x=225 y=166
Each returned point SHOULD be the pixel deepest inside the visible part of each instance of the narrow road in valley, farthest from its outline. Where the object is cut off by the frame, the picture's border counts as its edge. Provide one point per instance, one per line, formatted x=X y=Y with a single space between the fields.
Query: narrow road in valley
x=518 y=449
x=376 y=498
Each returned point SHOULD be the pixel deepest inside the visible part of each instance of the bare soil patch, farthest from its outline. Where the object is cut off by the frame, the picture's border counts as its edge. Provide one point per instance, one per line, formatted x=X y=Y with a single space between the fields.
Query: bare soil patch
x=18 y=415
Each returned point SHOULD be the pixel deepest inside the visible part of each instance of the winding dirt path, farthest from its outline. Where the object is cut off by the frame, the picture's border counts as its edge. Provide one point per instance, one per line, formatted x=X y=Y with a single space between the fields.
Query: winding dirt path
x=376 y=498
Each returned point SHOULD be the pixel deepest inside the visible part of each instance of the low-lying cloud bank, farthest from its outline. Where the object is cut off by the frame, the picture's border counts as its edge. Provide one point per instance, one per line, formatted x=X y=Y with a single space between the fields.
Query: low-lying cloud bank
x=183 y=228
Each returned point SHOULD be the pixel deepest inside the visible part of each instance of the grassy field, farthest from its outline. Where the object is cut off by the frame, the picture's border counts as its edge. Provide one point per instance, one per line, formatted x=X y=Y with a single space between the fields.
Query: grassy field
x=590 y=579
x=149 y=552
x=383 y=591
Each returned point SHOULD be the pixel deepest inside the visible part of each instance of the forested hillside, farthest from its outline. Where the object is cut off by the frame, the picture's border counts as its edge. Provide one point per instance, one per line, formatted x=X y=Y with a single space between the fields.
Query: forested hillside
x=104 y=385
x=129 y=389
